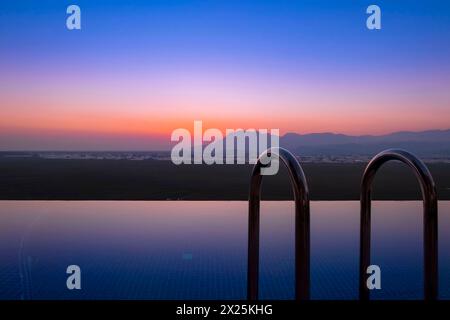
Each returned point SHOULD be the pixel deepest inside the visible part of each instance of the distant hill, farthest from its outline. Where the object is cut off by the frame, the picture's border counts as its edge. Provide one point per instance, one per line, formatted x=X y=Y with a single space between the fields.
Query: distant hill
x=425 y=143
x=431 y=143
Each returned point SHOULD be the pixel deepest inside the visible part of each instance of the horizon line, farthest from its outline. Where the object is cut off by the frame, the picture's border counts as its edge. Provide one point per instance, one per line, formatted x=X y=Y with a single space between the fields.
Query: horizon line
x=168 y=148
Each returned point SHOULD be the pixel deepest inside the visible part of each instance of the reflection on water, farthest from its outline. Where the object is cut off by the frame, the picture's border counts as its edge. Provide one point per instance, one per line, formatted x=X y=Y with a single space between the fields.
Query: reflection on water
x=198 y=250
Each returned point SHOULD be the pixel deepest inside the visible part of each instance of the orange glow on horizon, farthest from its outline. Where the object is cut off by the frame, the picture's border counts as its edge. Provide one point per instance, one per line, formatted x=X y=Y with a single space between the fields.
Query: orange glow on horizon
x=163 y=127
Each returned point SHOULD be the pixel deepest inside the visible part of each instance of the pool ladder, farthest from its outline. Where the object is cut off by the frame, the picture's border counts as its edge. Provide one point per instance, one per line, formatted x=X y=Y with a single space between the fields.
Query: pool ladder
x=302 y=222
x=301 y=198
x=430 y=219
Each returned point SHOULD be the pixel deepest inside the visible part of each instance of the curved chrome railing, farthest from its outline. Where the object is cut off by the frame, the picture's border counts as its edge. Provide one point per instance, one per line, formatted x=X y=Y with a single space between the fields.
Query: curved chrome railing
x=430 y=219
x=301 y=196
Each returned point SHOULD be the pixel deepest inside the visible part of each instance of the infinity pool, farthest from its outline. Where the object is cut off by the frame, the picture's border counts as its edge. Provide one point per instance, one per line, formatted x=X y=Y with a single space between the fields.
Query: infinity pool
x=198 y=249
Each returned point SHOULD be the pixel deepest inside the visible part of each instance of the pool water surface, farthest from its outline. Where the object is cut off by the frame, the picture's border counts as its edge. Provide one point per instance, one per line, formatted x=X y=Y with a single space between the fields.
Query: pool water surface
x=198 y=249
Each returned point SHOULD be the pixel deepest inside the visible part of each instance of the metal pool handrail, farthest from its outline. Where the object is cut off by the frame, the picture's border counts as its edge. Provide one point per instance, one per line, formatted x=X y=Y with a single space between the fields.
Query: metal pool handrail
x=430 y=219
x=302 y=227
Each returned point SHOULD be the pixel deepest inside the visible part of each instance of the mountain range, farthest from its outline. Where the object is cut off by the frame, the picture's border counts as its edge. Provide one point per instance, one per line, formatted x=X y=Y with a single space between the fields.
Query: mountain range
x=428 y=143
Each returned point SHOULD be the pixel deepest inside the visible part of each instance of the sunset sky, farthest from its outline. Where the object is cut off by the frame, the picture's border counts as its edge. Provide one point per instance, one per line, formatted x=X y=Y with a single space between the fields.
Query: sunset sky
x=140 y=69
